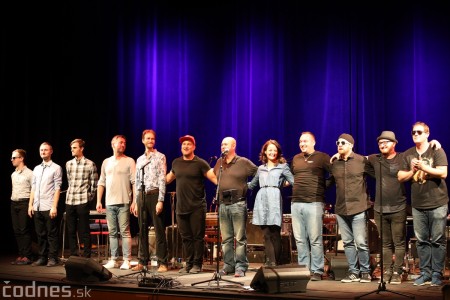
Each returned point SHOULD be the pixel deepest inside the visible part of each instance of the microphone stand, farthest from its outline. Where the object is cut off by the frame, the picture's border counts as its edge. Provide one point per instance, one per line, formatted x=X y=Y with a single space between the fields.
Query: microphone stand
x=217 y=277
x=382 y=284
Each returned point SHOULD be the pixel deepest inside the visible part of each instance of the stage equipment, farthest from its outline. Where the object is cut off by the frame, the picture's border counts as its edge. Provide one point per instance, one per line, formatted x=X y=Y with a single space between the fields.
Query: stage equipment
x=82 y=269
x=338 y=267
x=281 y=279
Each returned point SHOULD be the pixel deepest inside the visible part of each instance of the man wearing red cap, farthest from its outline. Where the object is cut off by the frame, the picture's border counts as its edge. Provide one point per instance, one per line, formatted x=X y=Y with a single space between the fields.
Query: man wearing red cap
x=190 y=172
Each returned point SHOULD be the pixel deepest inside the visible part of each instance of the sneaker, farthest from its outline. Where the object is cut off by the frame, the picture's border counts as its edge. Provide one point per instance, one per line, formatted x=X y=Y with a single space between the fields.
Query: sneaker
x=111 y=264
x=386 y=277
x=52 y=262
x=350 y=278
x=316 y=277
x=184 y=270
x=40 y=262
x=239 y=273
x=224 y=272
x=162 y=269
x=395 y=278
x=365 y=277
x=24 y=261
x=422 y=280
x=195 y=269
x=125 y=265
x=436 y=279
x=17 y=261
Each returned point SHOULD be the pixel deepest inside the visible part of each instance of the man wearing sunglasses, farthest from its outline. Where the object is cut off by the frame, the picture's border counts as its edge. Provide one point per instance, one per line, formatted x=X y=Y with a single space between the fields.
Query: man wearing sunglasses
x=349 y=172
x=426 y=169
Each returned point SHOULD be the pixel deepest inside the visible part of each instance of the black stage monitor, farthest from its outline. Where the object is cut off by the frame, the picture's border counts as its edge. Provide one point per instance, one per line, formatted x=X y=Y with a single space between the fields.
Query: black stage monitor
x=83 y=269
x=281 y=279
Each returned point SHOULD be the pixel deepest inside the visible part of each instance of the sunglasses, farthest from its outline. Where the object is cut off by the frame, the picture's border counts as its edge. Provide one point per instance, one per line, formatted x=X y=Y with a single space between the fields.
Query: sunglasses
x=383 y=143
x=419 y=132
x=342 y=143
x=13 y=158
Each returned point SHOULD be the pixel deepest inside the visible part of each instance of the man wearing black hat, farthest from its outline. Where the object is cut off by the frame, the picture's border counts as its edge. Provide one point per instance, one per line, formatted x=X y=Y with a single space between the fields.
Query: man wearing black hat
x=349 y=173
x=190 y=172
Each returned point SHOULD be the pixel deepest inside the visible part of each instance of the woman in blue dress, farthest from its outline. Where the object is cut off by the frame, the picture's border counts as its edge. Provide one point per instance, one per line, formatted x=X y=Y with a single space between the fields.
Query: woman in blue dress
x=267 y=211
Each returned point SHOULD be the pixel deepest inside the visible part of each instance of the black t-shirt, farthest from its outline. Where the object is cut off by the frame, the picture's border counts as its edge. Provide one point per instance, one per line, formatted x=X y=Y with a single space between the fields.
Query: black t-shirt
x=190 y=187
x=310 y=175
x=393 y=192
x=433 y=192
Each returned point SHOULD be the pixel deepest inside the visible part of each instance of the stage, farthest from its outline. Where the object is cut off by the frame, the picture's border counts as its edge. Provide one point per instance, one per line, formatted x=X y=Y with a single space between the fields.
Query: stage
x=47 y=282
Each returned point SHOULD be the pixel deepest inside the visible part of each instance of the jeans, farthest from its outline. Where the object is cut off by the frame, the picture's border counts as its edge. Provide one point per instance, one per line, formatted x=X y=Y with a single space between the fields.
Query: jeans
x=233 y=221
x=21 y=225
x=77 y=218
x=118 y=218
x=429 y=228
x=307 y=226
x=149 y=210
x=192 y=232
x=394 y=239
x=354 y=235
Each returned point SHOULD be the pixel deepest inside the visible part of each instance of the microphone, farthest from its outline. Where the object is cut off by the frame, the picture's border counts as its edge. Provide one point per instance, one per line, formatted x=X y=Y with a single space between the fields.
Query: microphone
x=225 y=152
x=145 y=165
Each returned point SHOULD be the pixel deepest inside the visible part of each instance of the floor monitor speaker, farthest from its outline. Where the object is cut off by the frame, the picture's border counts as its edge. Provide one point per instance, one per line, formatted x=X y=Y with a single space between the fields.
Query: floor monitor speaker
x=339 y=267
x=85 y=270
x=281 y=279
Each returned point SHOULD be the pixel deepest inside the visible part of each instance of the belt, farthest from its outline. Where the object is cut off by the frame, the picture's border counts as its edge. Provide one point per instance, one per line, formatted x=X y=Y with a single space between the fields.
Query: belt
x=268 y=186
x=21 y=200
x=152 y=192
x=233 y=201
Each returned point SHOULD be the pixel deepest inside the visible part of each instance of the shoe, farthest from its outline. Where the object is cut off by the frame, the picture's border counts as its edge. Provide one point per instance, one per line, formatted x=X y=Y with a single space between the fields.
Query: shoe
x=184 y=270
x=52 y=262
x=422 y=280
x=224 y=272
x=350 y=278
x=24 y=261
x=138 y=267
x=395 y=278
x=17 y=261
x=386 y=276
x=436 y=279
x=111 y=264
x=195 y=269
x=40 y=262
x=239 y=273
x=125 y=265
x=365 y=277
x=316 y=277
x=162 y=269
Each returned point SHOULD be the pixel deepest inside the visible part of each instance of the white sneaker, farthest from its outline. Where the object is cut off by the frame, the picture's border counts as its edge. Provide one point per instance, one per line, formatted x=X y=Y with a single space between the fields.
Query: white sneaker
x=111 y=264
x=126 y=265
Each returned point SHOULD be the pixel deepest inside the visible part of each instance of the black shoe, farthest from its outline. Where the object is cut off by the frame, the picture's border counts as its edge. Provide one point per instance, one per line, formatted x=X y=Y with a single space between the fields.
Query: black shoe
x=316 y=277
x=52 y=262
x=40 y=262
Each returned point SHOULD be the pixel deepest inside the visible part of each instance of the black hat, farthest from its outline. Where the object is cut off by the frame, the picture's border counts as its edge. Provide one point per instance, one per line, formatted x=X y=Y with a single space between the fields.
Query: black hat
x=348 y=138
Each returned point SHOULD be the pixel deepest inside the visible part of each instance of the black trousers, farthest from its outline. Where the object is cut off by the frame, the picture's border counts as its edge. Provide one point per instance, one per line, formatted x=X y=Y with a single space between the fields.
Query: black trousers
x=47 y=234
x=149 y=210
x=272 y=243
x=192 y=231
x=77 y=219
x=22 y=227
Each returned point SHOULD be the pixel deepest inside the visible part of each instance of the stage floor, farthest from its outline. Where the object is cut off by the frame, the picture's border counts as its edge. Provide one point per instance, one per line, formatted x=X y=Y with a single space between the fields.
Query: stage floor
x=25 y=280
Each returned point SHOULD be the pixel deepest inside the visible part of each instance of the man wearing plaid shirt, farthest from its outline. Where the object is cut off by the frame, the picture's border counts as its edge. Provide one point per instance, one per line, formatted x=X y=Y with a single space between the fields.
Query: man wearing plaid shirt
x=82 y=179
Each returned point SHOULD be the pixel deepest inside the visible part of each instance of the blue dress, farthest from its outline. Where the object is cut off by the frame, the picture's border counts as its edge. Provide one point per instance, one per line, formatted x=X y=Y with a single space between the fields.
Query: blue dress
x=267 y=209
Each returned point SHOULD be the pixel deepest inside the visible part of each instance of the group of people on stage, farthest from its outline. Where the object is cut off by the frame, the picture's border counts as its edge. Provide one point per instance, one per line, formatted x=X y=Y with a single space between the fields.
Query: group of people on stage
x=139 y=188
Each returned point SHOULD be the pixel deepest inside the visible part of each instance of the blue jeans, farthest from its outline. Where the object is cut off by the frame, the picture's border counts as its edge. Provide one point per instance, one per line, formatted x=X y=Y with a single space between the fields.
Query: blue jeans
x=354 y=236
x=429 y=228
x=307 y=226
x=233 y=221
x=118 y=218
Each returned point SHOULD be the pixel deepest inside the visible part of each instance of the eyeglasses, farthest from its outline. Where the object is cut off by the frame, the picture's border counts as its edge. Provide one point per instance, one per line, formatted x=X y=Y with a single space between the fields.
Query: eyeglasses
x=383 y=143
x=13 y=158
x=341 y=143
x=419 y=132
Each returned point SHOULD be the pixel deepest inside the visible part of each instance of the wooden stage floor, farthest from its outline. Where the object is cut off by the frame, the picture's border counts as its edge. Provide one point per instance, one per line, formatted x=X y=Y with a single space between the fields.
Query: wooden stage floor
x=26 y=281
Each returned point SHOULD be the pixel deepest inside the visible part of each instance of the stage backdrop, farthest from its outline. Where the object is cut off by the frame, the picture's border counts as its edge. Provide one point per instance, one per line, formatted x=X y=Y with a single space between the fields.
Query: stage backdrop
x=254 y=70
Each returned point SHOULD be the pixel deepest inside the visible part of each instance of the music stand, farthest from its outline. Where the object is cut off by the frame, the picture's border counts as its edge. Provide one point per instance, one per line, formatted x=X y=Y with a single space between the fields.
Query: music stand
x=382 y=284
x=217 y=277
